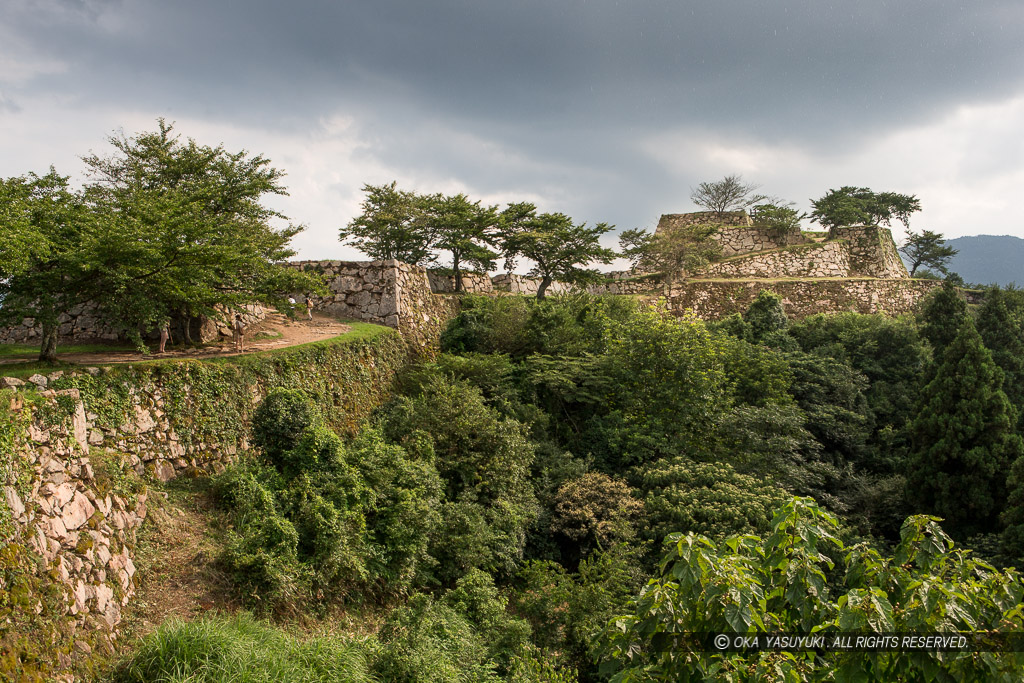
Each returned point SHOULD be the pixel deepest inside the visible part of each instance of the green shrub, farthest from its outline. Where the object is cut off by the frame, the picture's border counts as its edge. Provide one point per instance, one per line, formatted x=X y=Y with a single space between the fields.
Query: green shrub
x=279 y=421
x=430 y=642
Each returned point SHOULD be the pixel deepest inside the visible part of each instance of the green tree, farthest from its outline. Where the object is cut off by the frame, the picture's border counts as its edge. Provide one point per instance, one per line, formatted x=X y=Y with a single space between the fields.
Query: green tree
x=389 y=226
x=859 y=205
x=192 y=234
x=942 y=315
x=21 y=241
x=670 y=252
x=558 y=248
x=781 y=219
x=963 y=438
x=711 y=499
x=1003 y=334
x=929 y=249
x=785 y=582
x=484 y=461
x=463 y=228
x=766 y=316
x=54 y=245
x=728 y=194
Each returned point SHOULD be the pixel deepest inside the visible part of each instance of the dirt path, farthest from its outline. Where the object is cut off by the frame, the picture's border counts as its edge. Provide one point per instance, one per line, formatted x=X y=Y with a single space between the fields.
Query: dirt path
x=273 y=332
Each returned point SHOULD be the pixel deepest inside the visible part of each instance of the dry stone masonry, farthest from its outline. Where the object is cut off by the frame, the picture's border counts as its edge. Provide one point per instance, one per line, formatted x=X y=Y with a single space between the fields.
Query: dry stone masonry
x=714 y=299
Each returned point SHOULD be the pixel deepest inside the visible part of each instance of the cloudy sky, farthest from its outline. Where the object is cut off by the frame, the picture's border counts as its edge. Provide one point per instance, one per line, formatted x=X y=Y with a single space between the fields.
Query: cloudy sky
x=606 y=110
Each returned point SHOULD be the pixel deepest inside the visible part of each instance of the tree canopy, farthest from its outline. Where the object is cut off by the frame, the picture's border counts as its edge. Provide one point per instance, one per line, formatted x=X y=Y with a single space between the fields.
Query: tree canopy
x=928 y=249
x=464 y=229
x=390 y=226
x=194 y=237
x=859 y=205
x=728 y=194
x=558 y=247
x=52 y=246
x=673 y=251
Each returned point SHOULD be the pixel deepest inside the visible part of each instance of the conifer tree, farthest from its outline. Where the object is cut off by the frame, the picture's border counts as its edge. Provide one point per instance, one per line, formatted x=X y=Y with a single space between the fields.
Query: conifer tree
x=963 y=438
x=1003 y=334
x=941 y=317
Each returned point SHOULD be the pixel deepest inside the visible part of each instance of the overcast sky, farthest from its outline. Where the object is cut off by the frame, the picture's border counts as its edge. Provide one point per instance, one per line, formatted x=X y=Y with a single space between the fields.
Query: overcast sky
x=608 y=111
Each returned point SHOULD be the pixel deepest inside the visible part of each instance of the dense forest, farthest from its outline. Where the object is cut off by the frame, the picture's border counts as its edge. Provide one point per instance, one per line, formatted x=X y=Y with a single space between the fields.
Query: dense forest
x=572 y=480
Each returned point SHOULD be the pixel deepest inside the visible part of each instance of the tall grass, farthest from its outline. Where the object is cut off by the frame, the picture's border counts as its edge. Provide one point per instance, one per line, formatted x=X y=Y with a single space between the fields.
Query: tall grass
x=241 y=649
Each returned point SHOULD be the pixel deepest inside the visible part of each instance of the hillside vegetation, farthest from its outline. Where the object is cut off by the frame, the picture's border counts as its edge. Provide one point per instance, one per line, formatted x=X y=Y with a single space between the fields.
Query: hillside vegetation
x=573 y=481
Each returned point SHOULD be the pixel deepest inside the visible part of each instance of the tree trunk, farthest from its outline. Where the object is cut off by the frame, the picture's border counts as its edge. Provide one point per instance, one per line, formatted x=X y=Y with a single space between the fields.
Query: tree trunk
x=458 y=273
x=48 y=350
x=545 y=282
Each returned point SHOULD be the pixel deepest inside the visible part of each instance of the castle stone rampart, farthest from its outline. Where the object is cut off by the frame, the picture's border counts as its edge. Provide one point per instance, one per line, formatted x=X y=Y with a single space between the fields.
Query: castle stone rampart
x=872 y=251
x=828 y=259
x=714 y=299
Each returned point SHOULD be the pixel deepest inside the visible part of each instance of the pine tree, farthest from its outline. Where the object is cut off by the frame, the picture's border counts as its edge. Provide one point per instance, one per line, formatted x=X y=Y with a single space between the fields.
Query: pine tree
x=963 y=438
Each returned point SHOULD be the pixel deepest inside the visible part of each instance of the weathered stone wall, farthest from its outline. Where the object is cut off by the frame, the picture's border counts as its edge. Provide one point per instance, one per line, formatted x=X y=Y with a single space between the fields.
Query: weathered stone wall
x=390 y=293
x=744 y=240
x=714 y=299
x=639 y=285
x=738 y=235
x=474 y=283
x=527 y=286
x=81 y=324
x=872 y=251
x=154 y=421
x=827 y=259
x=669 y=221
x=78 y=324
x=81 y=530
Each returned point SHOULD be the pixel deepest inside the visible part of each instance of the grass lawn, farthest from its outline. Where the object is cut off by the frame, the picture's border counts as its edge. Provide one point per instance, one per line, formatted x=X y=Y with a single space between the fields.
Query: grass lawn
x=30 y=366
x=30 y=351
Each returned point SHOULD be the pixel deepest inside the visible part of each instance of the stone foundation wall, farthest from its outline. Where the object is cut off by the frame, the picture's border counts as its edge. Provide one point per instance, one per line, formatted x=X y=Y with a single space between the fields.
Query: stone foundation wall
x=81 y=324
x=829 y=259
x=78 y=324
x=743 y=240
x=474 y=283
x=527 y=286
x=714 y=299
x=668 y=221
x=738 y=235
x=154 y=422
x=389 y=293
x=872 y=251
x=81 y=531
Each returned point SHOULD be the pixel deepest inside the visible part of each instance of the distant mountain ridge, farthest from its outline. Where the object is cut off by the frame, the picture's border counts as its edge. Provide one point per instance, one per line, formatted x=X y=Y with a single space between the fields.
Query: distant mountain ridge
x=989 y=259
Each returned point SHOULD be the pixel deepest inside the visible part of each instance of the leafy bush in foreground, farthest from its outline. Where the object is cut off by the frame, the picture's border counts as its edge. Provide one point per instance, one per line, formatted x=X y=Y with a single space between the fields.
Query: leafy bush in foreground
x=753 y=585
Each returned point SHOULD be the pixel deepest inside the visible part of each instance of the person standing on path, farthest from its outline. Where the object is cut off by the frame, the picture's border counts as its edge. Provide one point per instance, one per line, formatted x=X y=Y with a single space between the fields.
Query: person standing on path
x=239 y=333
x=309 y=307
x=165 y=334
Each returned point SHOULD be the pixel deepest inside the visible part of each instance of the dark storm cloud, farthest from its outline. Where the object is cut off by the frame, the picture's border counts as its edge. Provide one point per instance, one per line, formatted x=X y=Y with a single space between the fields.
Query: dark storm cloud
x=788 y=69
x=561 y=99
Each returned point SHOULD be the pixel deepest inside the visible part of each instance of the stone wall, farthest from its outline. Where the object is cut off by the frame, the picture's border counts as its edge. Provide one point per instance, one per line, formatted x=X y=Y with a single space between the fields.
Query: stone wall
x=389 y=293
x=743 y=240
x=827 y=259
x=714 y=299
x=80 y=529
x=474 y=283
x=81 y=324
x=527 y=286
x=669 y=221
x=872 y=251
x=155 y=421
